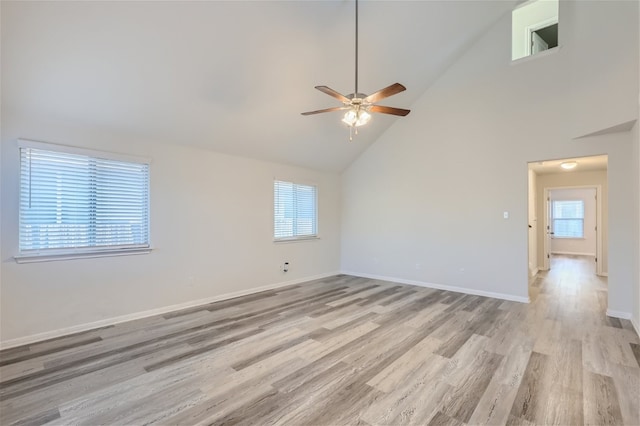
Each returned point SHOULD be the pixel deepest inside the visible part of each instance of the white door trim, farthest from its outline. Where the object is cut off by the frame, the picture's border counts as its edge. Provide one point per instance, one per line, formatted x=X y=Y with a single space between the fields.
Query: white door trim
x=535 y=27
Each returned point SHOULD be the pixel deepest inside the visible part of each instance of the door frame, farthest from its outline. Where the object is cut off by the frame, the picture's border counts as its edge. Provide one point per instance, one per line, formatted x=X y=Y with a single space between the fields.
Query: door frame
x=546 y=224
x=535 y=27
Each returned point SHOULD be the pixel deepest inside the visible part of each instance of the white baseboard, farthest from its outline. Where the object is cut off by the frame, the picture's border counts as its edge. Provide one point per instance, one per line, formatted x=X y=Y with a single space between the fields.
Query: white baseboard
x=636 y=325
x=573 y=253
x=456 y=289
x=534 y=272
x=618 y=314
x=20 y=341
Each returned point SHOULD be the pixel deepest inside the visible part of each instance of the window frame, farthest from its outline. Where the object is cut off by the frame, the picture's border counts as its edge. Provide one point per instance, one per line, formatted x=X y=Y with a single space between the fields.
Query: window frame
x=535 y=27
x=295 y=238
x=554 y=219
x=523 y=37
x=51 y=254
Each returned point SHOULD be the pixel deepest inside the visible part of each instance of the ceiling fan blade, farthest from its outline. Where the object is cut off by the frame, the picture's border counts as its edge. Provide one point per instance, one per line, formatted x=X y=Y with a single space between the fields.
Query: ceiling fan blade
x=329 y=91
x=325 y=110
x=385 y=93
x=389 y=110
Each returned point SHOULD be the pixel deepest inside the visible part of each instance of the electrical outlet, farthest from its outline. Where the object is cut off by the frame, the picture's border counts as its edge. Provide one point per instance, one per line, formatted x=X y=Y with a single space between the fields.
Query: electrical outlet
x=285 y=267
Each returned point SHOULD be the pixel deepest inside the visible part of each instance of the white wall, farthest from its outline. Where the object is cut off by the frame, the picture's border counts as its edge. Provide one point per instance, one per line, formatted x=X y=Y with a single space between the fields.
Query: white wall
x=636 y=157
x=211 y=229
x=533 y=223
x=578 y=246
x=636 y=231
x=432 y=190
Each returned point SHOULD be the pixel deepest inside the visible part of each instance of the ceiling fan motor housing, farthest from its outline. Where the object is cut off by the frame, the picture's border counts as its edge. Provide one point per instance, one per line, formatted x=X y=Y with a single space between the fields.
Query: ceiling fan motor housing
x=358 y=95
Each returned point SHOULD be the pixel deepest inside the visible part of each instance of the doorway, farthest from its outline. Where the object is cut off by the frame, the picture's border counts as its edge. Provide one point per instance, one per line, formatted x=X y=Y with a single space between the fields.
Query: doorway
x=572 y=223
x=567 y=212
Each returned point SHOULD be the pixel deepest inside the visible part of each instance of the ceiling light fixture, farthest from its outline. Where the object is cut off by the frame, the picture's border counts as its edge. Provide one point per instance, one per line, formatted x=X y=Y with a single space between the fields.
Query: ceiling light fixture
x=568 y=165
x=359 y=106
x=356 y=117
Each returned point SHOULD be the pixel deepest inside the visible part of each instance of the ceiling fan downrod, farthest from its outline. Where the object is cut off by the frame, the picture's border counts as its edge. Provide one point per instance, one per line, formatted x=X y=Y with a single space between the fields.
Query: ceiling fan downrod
x=359 y=106
x=356 y=91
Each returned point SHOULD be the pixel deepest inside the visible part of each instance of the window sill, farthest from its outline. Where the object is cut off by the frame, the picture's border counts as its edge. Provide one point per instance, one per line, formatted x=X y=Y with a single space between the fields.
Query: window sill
x=79 y=255
x=536 y=56
x=295 y=239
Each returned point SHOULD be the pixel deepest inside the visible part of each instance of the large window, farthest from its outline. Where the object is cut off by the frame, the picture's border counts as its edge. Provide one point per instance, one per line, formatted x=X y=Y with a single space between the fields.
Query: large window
x=568 y=218
x=295 y=211
x=75 y=201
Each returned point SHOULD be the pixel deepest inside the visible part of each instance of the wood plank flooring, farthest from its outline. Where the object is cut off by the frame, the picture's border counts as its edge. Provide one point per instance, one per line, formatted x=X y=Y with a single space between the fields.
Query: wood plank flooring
x=344 y=350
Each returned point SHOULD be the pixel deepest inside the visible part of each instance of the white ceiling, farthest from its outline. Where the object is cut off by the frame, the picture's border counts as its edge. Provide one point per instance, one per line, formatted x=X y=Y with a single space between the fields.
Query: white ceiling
x=229 y=76
x=585 y=164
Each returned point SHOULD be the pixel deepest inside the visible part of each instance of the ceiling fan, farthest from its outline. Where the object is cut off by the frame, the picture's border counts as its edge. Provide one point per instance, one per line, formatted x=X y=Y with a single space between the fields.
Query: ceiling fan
x=358 y=106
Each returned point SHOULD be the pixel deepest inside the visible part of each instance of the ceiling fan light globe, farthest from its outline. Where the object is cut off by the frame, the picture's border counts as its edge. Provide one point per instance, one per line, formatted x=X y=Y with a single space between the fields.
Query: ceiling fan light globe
x=363 y=118
x=350 y=118
x=356 y=117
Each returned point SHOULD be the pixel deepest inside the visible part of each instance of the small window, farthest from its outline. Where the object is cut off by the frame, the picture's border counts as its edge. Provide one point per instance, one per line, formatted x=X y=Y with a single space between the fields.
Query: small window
x=534 y=27
x=544 y=38
x=568 y=219
x=76 y=201
x=295 y=211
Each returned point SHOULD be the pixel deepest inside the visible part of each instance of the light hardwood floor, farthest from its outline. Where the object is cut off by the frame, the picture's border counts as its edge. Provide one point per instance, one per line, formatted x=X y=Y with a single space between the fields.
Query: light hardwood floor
x=344 y=350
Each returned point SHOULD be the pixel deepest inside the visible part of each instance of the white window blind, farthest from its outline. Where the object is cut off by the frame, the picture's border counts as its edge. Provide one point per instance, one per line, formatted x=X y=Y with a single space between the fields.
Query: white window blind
x=568 y=219
x=81 y=203
x=295 y=210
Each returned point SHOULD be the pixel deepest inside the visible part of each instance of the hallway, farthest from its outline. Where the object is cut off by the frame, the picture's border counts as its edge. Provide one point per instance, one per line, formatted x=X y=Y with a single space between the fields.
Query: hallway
x=568 y=317
x=568 y=274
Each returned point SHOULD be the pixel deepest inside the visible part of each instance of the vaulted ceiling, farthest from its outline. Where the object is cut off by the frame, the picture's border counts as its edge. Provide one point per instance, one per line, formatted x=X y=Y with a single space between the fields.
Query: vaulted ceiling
x=229 y=76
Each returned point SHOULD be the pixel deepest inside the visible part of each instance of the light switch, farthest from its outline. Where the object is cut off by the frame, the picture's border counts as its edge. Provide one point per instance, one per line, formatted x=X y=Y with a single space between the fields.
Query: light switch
x=505 y=215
